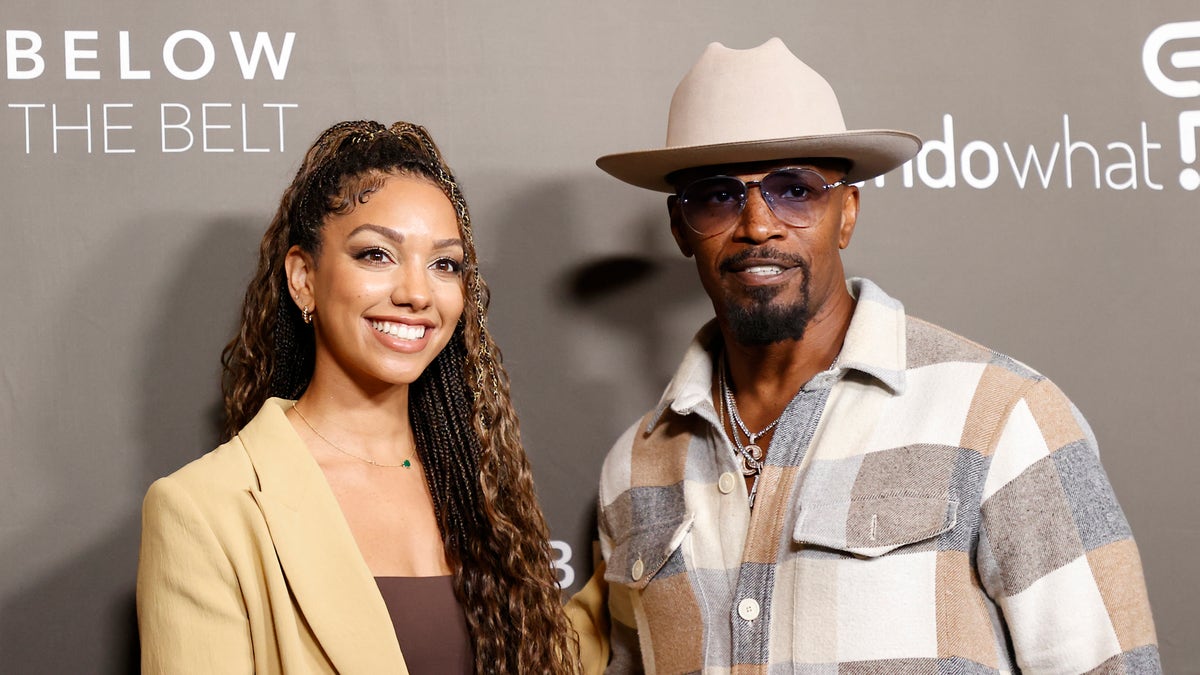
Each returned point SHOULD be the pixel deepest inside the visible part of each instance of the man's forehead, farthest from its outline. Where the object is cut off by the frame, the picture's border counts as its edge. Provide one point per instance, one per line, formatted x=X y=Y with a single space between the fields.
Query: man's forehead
x=684 y=176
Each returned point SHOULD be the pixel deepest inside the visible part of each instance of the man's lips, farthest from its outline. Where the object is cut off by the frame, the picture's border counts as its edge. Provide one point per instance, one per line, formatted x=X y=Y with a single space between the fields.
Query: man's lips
x=760 y=266
x=764 y=275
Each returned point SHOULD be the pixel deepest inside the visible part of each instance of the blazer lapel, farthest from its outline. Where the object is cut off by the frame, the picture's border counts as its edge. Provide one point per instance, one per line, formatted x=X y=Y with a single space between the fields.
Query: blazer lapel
x=318 y=554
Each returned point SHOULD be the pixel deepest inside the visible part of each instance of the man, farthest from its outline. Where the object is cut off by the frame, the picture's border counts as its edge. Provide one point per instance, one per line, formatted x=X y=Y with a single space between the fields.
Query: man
x=829 y=485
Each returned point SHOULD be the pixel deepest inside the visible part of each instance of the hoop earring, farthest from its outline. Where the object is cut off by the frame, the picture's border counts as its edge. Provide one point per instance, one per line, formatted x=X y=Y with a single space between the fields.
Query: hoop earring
x=305 y=315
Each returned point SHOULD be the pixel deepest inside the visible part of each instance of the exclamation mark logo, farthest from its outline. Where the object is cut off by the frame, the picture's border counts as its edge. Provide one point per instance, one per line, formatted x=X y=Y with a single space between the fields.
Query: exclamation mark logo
x=1181 y=59
x=1189 y=124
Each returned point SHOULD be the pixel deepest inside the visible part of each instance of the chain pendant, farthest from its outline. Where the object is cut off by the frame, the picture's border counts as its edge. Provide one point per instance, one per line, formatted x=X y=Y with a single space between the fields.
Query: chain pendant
x=749 y=466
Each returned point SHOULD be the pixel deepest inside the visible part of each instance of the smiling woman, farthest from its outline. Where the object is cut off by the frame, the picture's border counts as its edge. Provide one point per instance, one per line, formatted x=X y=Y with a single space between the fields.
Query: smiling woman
x=373 y=510
x=385 y=289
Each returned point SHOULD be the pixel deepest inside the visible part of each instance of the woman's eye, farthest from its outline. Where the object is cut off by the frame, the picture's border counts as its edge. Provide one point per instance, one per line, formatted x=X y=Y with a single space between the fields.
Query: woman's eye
x=377 y=256
x=448 y=265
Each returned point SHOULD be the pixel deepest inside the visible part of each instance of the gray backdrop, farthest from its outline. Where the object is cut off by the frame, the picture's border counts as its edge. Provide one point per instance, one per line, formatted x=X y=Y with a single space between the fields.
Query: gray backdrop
x=123 y=262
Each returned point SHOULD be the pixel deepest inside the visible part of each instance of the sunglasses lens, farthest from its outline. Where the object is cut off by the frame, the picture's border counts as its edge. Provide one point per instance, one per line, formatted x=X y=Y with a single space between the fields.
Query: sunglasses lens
x=710 y=204
x=794 y=194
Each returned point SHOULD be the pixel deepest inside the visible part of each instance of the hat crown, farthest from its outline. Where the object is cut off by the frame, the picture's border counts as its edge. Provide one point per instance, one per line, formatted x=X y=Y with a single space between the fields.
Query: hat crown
x=756 y=105
x=739 y=95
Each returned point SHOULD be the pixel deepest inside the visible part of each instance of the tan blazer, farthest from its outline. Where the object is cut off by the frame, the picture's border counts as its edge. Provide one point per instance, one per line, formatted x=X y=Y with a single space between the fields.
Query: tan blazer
x=247 y=565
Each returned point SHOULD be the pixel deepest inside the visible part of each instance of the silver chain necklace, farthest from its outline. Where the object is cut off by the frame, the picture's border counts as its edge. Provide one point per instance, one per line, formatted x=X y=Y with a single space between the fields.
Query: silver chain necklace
x=751 y=454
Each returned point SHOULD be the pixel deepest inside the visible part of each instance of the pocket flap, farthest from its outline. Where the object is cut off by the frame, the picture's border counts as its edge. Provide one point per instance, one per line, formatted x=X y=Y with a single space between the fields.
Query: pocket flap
x=636 y=558
x=872 y=526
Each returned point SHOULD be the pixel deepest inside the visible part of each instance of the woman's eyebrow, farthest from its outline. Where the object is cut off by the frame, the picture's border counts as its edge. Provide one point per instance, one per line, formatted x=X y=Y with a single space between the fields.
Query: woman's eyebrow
x=388 y=232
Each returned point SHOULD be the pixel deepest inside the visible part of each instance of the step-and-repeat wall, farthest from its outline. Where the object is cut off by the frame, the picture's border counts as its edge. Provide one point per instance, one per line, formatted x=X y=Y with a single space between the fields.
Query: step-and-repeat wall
x=1052 y=214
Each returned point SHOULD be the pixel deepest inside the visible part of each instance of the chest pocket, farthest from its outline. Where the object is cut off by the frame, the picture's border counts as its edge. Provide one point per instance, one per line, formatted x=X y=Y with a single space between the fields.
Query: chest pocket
x=644 y=552
x=872 y=526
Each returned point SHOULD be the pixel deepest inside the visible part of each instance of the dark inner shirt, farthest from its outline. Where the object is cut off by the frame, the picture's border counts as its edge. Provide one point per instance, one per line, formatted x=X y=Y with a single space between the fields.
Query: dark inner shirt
x=429 y=623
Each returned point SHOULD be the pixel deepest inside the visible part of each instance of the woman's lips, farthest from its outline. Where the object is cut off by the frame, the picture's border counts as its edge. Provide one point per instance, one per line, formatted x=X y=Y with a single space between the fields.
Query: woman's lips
x=403 y=331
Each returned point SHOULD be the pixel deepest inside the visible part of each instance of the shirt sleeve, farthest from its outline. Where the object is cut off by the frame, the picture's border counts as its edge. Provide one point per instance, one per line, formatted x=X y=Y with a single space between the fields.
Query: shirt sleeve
x=191 y=617
x=1055 y=550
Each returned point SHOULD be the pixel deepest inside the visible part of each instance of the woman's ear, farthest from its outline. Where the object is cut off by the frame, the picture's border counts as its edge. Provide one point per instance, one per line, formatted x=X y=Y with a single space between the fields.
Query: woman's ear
x=301 y=274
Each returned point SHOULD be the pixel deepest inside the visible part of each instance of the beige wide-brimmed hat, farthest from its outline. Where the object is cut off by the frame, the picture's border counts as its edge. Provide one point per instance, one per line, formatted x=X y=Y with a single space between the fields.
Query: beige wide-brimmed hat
x=749 y=105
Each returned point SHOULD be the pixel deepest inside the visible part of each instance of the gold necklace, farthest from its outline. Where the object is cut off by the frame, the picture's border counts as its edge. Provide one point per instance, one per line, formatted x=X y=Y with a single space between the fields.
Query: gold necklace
x=405 y=464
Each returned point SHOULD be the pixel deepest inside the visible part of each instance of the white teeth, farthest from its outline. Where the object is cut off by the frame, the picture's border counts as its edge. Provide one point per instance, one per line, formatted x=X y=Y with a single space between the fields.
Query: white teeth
x=767 y=270
x=400 y=330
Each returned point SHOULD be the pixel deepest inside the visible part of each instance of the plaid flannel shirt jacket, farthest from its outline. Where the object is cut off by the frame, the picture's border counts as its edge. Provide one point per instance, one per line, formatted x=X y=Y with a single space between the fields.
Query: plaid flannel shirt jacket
x=928 y=506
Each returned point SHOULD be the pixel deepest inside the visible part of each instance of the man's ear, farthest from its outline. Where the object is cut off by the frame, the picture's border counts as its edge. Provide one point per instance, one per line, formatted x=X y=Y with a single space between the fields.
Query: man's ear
x=678 y=227
x=301 y=273
x=849 y=216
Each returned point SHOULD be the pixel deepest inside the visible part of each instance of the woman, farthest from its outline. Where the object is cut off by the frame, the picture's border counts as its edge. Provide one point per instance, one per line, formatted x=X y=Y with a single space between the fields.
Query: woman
x=390 y=506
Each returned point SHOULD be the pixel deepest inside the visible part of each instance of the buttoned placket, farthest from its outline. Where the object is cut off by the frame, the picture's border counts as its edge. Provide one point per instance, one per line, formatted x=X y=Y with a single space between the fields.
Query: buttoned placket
x=755 y=582
x=750 y=616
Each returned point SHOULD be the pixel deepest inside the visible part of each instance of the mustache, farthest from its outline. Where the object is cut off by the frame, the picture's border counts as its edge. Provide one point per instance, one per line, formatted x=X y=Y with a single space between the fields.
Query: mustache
x=765 y=253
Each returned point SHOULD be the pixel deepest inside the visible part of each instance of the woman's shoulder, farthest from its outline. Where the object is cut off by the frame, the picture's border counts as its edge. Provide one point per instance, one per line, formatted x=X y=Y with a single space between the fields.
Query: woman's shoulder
x=229 y=467
x=221 y=471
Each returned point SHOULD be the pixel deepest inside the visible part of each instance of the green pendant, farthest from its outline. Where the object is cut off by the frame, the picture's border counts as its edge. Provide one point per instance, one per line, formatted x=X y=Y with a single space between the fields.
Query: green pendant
x=406 y=464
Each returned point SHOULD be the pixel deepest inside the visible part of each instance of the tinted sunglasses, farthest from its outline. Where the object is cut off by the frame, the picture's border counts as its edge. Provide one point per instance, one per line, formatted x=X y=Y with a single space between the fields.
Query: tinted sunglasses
x=796 y=196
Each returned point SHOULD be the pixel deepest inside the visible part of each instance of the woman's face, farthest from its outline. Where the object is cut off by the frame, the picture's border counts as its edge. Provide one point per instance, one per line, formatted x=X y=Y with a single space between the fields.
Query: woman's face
x=387 y=288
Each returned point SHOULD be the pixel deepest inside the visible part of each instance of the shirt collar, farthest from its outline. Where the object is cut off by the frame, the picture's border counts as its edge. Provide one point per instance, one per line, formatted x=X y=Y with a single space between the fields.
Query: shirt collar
x=875 y=345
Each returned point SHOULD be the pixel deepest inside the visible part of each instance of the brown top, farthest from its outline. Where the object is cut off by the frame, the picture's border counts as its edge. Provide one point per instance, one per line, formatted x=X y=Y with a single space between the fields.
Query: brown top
x=429 y=623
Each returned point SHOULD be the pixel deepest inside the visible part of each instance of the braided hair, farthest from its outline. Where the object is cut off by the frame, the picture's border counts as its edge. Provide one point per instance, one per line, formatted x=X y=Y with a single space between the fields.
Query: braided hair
x=466 y=431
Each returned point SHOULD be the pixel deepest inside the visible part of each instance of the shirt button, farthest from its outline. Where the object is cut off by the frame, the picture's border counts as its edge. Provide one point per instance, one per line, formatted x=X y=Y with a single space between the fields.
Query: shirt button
x=748 y=609
x=639 y=568
x=725 y=483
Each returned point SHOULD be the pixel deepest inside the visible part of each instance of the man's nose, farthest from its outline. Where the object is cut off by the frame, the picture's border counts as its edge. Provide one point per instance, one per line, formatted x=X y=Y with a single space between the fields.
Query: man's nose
x=757 y=222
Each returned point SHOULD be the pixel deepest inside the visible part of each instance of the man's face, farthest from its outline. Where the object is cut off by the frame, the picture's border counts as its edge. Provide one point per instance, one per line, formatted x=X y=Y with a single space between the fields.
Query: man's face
x=769 y=279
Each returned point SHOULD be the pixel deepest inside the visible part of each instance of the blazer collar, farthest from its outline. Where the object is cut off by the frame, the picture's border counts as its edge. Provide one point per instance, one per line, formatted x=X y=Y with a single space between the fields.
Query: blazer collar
x=318 y=554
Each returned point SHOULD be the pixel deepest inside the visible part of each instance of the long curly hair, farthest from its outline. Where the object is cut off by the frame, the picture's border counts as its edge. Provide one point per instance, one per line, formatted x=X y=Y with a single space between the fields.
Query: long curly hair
x=466 y=431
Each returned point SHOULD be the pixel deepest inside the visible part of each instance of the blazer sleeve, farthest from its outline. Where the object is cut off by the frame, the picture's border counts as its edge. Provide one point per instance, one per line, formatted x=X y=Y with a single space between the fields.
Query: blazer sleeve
x=588 y=612
x=191 y=616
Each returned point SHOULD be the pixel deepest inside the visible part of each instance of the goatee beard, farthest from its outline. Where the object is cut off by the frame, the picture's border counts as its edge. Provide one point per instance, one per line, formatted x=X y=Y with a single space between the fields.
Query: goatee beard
x=759 y=322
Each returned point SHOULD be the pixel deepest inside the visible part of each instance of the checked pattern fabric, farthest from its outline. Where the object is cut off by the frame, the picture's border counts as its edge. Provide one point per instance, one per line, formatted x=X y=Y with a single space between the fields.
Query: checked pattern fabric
x=929 y=506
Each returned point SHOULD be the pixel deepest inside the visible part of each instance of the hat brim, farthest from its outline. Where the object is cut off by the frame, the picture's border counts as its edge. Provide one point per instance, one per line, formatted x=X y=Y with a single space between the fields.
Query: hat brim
x=872 y=152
